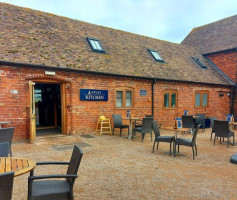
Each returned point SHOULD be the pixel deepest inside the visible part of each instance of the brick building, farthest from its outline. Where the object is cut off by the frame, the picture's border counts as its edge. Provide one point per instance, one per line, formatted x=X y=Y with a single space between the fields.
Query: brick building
x=47 y=62
x=217 y=42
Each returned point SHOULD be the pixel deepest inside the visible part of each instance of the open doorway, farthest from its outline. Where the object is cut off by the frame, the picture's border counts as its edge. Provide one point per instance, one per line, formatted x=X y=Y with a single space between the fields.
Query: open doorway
x=48 y=107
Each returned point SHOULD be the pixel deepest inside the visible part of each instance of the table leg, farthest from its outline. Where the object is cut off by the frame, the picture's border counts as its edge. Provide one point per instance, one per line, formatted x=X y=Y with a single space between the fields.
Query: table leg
x=130 y=129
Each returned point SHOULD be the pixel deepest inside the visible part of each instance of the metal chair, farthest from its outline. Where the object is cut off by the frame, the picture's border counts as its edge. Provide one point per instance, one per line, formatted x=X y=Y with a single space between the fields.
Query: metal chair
x=187 y=142
x=119 y=124
x=6 y=185
x=222 y=130
x=159 y=138
x=145 y=128
x=6 y=135
x=212 y=126
x=55 y=189
x=4 y=149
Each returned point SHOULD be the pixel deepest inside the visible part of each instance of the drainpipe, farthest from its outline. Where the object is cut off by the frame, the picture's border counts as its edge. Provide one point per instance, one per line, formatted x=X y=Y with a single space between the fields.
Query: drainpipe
x=152 y=96
x=233 y=90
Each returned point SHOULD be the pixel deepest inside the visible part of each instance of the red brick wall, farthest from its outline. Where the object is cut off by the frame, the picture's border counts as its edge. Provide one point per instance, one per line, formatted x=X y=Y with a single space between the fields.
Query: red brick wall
x=82 y=115
x=227 y=62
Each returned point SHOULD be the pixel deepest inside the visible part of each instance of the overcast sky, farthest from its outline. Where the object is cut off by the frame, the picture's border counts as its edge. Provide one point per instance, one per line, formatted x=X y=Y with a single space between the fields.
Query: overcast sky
x=169 y=20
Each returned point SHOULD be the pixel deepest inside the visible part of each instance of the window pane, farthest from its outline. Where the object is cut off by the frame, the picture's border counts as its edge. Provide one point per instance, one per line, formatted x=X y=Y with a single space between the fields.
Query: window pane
x=98 y=45
x=93 y=44
x=204 y=99
x=119 y=99
x=128 y=98
x=197 y=99
x=166 y=100
x=173 y=100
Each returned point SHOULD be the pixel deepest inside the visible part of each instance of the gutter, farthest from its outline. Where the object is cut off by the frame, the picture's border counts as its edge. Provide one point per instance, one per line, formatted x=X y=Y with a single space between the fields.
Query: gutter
x=152 y=96
x=15 y=64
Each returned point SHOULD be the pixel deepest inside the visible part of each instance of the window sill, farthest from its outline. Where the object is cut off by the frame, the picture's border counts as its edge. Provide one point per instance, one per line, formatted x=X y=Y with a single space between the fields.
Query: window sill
x=165 y=108
x=128 y=108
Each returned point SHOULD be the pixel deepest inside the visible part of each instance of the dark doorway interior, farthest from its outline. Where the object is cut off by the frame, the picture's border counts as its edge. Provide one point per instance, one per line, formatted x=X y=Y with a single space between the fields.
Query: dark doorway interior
x=48 y=108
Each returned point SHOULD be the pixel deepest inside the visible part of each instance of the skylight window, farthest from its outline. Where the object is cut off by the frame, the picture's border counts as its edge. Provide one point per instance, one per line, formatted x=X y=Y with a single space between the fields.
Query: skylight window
x=199 y=62
x=156 y=55
x=95 y=45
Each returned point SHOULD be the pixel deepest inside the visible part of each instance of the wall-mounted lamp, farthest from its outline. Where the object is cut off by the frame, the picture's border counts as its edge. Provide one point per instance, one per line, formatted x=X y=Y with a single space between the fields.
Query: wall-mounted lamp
x=68 y=86
x=221 y=95
x=228 y=94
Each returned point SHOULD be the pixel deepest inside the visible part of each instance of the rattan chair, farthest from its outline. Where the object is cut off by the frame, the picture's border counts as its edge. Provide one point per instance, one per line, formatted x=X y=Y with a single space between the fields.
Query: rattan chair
x=145 y=128
x=159 y=138
x=188 y=142
x=41 y=188
x=187 y=122
x=119 y=124
x=6 y=135
x=212 y=126
x=222 y=130
x=4 y=149
x=6 y=185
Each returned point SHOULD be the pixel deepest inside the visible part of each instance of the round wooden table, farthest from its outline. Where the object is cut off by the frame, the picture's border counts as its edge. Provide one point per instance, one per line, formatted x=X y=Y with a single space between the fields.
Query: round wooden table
x=18 y=165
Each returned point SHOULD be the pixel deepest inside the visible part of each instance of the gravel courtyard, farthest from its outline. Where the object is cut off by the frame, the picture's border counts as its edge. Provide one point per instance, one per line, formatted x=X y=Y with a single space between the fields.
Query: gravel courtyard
x=114 y=167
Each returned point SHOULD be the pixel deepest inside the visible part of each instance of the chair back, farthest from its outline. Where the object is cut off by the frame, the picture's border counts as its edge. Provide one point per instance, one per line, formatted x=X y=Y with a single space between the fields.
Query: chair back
x=6 y=135
x=146 y=125
x=200 y=118
x=4 y=149
x=74 y=163
x=117 y=120
x=187 y=121
x=149 y=116
x=156 y=129
x=221 y=127
x=6 y=185
x=230 y=118
x=212 y=119
x=195 y=134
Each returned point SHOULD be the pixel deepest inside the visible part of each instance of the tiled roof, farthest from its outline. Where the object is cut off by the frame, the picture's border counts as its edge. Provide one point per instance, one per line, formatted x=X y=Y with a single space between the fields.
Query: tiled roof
x=33 y=37
x=218 y=36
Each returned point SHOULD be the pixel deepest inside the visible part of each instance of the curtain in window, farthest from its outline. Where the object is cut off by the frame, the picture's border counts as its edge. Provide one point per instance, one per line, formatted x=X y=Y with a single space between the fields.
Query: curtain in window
x=197 y=99
x=166 y=100
x=173 y=100
x=119 y=99
x=204 y=100
x=128 y=98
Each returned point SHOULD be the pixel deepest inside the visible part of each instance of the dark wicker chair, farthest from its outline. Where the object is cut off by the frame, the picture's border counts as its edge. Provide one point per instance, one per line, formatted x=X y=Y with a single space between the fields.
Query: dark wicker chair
x=4 y=149
x=138 y=123
x=200 y=120
x=145 y=128
x=6 y=185
x=187 y=142
x=159 y=138
x=55 y=189
x=212 y=126
x=6 y=135
x=118 y=123
x=222 y=130
x=187 y=122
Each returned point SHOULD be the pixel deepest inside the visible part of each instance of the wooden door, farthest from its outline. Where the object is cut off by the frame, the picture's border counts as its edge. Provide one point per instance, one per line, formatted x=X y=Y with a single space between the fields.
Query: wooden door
x=32 y=112
x=64 y=110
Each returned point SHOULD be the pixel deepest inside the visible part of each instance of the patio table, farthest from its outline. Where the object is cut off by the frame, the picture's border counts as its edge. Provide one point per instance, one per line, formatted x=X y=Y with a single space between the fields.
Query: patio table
x=131 y=119
x=18 y=165
x=176 y=130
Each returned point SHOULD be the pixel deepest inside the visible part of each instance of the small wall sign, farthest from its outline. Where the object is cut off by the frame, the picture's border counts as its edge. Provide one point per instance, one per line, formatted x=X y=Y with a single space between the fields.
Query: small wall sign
x=93 y=95
x=142 y=92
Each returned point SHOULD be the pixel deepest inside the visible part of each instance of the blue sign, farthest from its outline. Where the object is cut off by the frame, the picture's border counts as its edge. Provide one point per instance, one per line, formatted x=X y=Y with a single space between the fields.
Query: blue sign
x=93 y=95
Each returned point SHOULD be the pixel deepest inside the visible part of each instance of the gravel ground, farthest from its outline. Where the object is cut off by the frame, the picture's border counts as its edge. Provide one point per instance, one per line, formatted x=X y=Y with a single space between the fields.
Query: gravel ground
x=118 y=168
